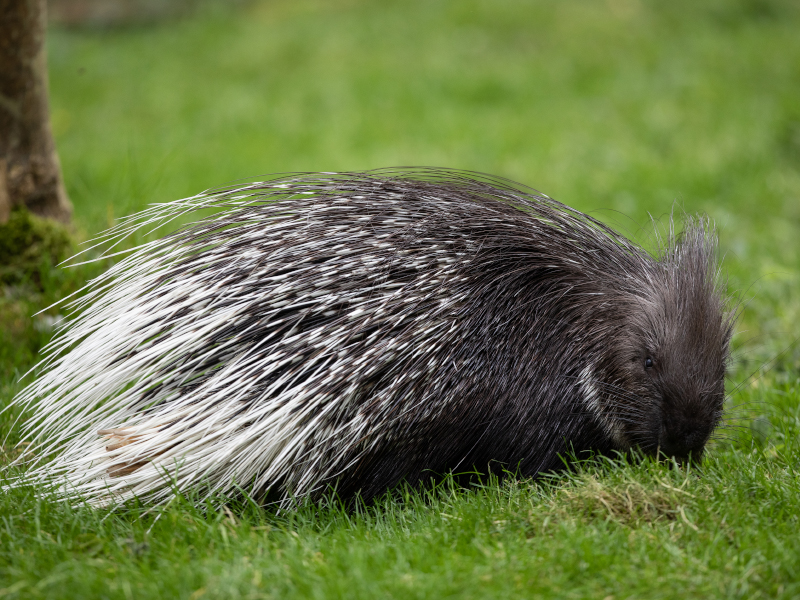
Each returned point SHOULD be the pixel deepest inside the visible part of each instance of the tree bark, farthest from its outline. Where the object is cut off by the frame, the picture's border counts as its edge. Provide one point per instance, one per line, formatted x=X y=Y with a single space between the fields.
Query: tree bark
x=30 y=174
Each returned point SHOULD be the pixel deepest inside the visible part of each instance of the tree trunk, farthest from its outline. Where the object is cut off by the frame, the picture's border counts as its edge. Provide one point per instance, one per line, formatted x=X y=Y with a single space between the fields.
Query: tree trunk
x=30 y=174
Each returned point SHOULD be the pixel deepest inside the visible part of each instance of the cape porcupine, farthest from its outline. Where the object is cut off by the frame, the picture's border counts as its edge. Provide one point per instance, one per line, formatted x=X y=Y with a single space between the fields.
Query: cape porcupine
x=359 y=329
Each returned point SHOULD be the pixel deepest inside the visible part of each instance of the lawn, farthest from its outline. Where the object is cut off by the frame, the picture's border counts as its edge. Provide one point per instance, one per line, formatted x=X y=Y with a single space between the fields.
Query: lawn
x=626 y=109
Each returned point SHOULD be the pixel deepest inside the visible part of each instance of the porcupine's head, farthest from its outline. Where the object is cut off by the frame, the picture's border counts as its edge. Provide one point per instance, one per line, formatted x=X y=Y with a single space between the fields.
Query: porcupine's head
x=660 y=384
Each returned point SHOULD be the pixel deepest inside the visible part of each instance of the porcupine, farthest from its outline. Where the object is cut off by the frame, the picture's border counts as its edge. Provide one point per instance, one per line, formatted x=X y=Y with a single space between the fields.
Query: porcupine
x=361 y=329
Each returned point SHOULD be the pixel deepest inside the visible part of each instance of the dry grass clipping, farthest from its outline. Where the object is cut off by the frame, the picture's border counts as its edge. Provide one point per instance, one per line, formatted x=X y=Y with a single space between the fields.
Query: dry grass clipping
x=629 y=501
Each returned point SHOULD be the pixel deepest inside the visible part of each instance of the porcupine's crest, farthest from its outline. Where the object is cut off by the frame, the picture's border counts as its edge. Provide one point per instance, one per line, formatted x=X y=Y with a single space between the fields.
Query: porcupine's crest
x=356 y=328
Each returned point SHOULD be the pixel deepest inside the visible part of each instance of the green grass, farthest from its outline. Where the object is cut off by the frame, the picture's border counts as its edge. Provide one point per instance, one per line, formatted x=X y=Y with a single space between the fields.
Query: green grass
x=623 y=108
x=610 y=530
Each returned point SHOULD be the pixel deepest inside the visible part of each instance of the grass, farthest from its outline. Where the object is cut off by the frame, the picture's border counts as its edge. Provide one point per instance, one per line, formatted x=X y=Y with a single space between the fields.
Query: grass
x=623 y=108
x=609 y=530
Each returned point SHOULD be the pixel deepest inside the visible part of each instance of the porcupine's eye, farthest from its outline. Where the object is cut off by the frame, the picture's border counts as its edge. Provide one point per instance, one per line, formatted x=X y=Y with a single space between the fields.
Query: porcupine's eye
x=648 y=363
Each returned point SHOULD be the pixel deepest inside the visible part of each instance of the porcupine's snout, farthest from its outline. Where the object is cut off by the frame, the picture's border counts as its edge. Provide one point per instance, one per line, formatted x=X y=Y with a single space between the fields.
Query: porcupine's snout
x=683 y=432
x=685 y=408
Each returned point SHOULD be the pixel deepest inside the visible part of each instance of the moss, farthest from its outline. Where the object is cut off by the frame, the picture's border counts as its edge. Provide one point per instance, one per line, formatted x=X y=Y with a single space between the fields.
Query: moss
x=28 y=244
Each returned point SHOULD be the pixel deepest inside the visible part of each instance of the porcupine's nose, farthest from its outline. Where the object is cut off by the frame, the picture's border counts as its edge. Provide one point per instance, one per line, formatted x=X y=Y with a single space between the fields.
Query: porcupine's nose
x=683 y=438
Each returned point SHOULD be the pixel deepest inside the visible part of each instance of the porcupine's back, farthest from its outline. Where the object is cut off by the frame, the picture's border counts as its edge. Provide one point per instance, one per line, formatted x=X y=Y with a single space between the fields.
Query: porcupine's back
x=350 y=328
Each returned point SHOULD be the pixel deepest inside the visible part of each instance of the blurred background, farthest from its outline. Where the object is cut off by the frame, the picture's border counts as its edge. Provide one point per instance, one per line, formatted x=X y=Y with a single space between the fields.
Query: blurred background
x=626 y=109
